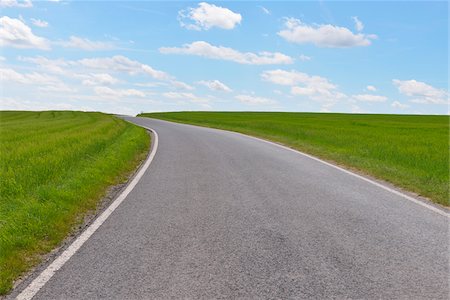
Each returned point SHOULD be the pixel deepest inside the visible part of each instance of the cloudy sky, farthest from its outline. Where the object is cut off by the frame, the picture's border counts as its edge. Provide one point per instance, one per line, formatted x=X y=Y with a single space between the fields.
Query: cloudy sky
x=128 y=57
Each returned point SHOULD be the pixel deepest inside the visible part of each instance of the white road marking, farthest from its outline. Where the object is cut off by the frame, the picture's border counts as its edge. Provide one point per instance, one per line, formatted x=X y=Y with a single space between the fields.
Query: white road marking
x=44 y=277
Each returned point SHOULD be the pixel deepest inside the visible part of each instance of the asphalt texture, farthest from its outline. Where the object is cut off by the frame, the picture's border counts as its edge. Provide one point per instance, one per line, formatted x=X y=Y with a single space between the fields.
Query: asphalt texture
x=221 y=215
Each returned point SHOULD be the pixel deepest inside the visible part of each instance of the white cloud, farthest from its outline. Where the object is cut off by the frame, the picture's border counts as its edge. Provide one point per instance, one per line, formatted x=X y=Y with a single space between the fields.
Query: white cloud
x=96 y=71
x=252 y=100
x=58 y=88
x=121 y=63
x=57 y=66
x=39 y=23
x=107 y=92
x=186 y=96
x=86 y=44
x=150 y=84
x=315 y=88
x=420 y=92
x=215 y=85
x=102 y=74
x=369 y=98
x=14 y=33
x=292 y=78
x=265 y=10
x=371 y=88
x=206 y=16
x=204 y=49
x=325 y=35
x=399 y=105
x=303 y=57
x=8 y=74
x=100 y=79
x=359 y=26
x=15 y=3
x=182 y=85
x=43 y=81
x=160 y=75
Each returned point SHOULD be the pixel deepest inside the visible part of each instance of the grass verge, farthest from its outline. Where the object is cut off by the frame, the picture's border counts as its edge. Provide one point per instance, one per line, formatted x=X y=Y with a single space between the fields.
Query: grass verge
x=54 y=168
x=410 y=151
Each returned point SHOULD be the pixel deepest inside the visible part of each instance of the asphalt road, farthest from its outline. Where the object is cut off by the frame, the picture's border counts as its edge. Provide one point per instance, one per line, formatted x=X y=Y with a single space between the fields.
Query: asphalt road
x=221 y=215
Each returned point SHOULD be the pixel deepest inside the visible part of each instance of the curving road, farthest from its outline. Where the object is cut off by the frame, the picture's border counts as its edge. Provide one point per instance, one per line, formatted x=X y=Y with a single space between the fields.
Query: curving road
x=221 y=215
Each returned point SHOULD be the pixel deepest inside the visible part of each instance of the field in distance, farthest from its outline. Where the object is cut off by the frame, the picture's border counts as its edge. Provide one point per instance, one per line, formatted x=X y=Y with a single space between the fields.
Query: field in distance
x=410 y=151
x=54 y=167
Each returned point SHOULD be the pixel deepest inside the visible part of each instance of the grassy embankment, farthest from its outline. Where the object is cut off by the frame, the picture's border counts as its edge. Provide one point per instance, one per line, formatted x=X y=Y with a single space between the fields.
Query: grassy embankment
x=55 y=167
x=409 y=151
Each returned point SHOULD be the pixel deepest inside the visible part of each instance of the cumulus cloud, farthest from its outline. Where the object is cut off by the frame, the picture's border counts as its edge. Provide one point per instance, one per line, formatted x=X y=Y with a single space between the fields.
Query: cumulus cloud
x=303 y=57
x=369 y=98
x=315 y=88
x=160 y=75
x=39 y=23
x=324 y=35
x=16 y=3
x=371 y=88
x=204 y=49
x=15 y=33
x=420 y=92
x=8 y=74
x=206 y=16
x=359 y=26
x=57 y=66
x=107 y=92
x=100 y=79
x=186 y=96
x=44 y=82
x=215 y=85
x=98 y=70
x=181 y=85
x=399 y=105
x=293 y=77
x=86 y=44
x=252 y=100
x=121 y=63
x=93 y=79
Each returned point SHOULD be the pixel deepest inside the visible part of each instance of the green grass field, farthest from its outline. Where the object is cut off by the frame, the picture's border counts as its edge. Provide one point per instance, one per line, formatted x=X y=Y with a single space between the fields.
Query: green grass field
x=409 y=151
x=55 y=167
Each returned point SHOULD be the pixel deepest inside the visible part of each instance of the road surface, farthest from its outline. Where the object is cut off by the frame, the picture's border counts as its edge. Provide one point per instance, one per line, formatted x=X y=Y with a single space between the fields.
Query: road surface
x=221 y=215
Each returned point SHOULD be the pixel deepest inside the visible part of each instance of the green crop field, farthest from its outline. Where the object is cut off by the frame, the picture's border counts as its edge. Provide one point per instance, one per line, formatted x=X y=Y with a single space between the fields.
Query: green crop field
x=409 y=151
x=55 y=167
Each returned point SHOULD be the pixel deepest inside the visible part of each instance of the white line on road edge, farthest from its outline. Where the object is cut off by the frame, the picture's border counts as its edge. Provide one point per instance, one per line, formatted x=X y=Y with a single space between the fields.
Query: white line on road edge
x=31 y=290
x=431 y=207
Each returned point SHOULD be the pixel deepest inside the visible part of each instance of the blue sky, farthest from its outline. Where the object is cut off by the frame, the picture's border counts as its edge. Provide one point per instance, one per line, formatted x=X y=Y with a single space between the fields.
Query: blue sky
x=133 y=56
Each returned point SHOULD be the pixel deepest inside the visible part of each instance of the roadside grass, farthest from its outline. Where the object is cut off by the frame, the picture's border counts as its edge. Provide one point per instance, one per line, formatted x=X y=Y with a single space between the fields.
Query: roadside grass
x=410 y=151
x=55 y=167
